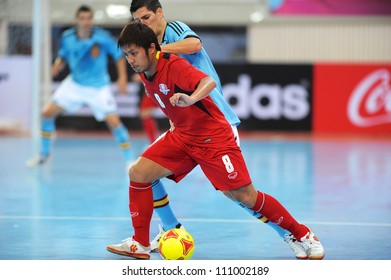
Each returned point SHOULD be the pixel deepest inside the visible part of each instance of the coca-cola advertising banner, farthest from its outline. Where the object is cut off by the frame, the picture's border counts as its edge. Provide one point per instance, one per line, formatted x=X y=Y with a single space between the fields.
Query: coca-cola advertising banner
x=269 y=96
x=352 y=98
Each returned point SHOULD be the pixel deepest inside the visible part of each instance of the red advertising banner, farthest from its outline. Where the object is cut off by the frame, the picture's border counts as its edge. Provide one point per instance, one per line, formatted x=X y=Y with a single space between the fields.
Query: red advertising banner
x=352 y=98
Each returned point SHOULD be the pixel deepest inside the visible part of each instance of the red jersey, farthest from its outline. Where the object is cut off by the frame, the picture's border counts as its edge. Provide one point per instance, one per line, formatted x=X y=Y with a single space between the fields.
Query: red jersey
x=201 y=123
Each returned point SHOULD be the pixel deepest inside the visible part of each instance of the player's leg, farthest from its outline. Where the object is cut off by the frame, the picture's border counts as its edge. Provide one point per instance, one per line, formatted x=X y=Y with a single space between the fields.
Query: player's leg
x=48 y=126
x=162 y=208
x=281 y=232
x=161 y=205
x=121 y=136
x=141 y=208
x=141 y=173
x=148 y=122
x=149 y=125
x=148 y=168
x=65 y=98
x=271 y=208
x=232 y=184
x=104 y=107
x=297 y=249
x=292 y=242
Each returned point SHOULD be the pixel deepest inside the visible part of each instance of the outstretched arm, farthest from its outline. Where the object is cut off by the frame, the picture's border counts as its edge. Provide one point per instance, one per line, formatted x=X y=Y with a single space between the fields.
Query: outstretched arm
x=205 y=86
x=57 y=66
x=188 y=45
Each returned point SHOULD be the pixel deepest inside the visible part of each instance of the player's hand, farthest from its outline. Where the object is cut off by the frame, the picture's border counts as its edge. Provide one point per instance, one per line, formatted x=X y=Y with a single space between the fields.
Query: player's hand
x=181 y=100
x=57 y=67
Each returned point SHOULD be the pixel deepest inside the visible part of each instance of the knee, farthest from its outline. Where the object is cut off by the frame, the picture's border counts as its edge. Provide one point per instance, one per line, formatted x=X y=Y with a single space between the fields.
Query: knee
x=137 y=175
x=133 y=174
x=247 y=195
x=51 y=110
x=49 y=113
x=113 y=125
x=248 y=200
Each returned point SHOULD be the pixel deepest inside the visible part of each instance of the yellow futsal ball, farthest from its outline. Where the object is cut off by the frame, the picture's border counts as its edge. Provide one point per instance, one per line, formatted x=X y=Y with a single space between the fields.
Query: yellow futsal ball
x=176 y=244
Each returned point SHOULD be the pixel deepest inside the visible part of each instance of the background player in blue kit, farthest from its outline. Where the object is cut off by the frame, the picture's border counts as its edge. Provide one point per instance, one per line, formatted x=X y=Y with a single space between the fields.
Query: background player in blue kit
x=176 y=37
x=86 y=50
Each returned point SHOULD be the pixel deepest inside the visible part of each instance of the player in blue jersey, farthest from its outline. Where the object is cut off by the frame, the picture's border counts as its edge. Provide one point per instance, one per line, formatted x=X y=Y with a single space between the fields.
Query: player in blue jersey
x=86 y=50
x=176 y=37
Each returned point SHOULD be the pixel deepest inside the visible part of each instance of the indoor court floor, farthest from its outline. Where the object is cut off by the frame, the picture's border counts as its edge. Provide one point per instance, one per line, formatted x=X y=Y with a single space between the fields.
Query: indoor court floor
x=77 y=204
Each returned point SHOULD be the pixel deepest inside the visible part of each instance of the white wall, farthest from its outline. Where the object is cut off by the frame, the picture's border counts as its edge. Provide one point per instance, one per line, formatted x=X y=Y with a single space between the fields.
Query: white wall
x=306 y=40
x=15 y=93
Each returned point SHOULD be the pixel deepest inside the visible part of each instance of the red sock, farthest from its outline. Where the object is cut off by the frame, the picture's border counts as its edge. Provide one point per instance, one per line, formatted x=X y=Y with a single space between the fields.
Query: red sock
x=150 y=128
x=141 y=209
x=269 y=207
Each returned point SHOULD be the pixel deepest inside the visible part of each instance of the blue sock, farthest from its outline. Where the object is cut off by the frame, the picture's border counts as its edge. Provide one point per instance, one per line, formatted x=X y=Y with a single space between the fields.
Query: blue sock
x=121 y=136
x=161 y=205
x=47 y=128
x=281 y=232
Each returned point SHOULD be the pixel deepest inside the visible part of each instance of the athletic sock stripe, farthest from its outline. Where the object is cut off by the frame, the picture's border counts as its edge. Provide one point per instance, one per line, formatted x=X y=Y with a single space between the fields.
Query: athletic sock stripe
x=263 y=219
x=46 y=134
x=263 y=202
x=161 y=205
x=124 y=145
x=161 y=202
x=139 y=186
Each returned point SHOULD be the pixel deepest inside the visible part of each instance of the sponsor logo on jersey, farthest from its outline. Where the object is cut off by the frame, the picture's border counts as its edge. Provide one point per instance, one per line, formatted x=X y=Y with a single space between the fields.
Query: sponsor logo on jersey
x=95 y=51
x=164 y=89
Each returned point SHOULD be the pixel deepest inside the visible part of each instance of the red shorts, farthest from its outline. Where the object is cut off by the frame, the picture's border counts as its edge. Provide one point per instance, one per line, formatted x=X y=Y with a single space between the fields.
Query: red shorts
x=147 y=103
x=223 y=166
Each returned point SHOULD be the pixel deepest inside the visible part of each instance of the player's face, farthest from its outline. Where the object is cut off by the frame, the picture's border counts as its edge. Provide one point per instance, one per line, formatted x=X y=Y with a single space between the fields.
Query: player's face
x=84 y=21
x=137 y=58
x=149 y=18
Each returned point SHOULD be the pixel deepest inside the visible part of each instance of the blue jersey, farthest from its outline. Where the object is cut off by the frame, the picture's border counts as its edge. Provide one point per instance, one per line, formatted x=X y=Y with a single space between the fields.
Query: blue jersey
x=88 y=58
x=176 y=31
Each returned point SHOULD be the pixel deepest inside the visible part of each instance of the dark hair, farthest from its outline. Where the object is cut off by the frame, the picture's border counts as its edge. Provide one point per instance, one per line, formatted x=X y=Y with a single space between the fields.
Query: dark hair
x=83 y=8
x=138 y=34
x=151 y=5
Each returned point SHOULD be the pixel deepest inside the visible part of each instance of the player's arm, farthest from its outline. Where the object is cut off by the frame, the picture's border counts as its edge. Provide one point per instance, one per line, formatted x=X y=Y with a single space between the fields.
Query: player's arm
x=205 y=86
x=188 y=45
x=122 y=81
x=57 y=66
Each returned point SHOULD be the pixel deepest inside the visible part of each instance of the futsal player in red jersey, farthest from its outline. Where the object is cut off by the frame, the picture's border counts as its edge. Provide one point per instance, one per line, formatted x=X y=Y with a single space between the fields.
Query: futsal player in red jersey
x=200 y=136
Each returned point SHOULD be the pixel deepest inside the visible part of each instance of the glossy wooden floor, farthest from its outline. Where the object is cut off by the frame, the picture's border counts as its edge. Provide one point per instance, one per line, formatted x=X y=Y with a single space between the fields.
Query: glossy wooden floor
x=71 y=208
